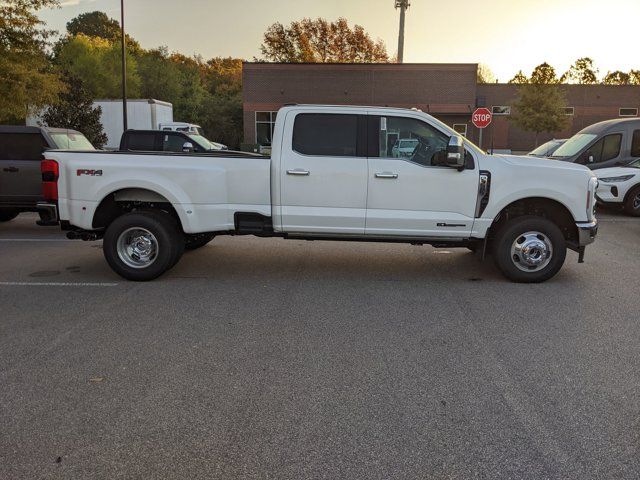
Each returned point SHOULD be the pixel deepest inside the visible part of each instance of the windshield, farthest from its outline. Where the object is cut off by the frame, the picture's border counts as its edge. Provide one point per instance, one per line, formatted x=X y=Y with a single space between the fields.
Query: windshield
x=71 y=141
x=543 y=149
x=574 y=145
x=635 y=164
x=202 y=141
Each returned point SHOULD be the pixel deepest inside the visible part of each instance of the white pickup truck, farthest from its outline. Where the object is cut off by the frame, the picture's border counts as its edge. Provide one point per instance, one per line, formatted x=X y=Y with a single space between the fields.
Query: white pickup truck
x=332 y=175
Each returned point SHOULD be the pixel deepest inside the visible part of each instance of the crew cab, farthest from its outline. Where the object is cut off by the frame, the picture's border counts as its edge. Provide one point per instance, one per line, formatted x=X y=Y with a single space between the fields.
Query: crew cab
x=167 y=141
x=332 y=175
x=20 y=155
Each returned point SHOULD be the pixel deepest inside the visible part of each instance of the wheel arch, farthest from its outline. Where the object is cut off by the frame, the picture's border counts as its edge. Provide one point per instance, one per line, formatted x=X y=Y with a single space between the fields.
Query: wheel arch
x=124 y=200
x=544 y=207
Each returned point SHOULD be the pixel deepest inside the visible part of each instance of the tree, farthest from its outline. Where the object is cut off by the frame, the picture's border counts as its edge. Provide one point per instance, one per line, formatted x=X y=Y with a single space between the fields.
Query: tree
x=544 y=74
x=519 y=78
x=27 y=79
x=75 y=110
x=320 y=41
x=485 y=75
x=634 y=77
x=617 y=78
x=540 y=108
x=98 y=63
x=98 y=24
x=582 y=72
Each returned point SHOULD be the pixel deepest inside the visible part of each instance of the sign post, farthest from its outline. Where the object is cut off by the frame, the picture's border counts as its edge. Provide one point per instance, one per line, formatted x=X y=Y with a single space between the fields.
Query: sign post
x=481 y=118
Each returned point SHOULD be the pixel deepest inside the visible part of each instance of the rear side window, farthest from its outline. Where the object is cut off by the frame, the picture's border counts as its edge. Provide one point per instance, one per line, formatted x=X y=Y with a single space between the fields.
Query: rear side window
x=326 y=134
x=141 y=141
x=635 y=144
x=21 y=146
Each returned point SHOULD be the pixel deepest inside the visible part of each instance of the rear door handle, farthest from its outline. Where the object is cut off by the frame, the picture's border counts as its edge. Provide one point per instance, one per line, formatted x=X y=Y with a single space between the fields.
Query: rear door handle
x=11 y=169
x=298 y=171
x=386 y=175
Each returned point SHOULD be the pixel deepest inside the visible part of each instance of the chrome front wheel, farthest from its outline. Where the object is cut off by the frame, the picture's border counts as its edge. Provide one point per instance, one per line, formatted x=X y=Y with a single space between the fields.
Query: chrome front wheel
x=137 y=247
x=532 y=251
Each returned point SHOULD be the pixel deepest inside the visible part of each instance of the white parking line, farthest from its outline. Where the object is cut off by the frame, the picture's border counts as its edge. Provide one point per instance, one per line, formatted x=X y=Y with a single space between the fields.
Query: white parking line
x=34 y=240
x=56 y=284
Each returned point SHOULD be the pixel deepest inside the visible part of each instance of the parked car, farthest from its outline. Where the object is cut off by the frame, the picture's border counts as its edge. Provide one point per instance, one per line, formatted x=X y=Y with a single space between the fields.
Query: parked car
x=20 y=155
x=166 y=141
x=612 y=143
x=620 y=186
x=190 y=128
x=547 y=148
x=404 y=147
x=329 y=178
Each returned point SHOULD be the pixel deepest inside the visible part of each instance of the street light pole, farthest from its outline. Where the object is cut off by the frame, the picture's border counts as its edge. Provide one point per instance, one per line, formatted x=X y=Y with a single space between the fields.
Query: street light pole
x=402 y=5
x=124 y=68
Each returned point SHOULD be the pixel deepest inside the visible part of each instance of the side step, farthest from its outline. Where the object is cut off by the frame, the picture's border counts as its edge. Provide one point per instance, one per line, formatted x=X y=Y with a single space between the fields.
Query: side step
x=253 y=224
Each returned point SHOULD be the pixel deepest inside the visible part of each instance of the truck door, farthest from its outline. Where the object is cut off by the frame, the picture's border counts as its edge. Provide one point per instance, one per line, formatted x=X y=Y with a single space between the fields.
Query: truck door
x=409 y=194
x=20 y=177
x=323 y=168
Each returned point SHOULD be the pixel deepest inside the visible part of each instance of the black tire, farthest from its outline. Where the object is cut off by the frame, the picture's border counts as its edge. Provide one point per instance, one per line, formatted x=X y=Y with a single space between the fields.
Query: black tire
x=193 y=241
x=8 y=215
x=632 y=203
x=539 y=232
x=165 y=233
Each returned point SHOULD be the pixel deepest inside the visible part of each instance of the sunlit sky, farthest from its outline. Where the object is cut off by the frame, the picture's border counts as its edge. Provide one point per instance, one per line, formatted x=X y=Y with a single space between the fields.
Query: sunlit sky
x=506 y=35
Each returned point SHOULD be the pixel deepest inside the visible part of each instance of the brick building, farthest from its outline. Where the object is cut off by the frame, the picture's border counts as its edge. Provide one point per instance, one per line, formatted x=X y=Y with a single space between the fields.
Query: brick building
x=447 y=91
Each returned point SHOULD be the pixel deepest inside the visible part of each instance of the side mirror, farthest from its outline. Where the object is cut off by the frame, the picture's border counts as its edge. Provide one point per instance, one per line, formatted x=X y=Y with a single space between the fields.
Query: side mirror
x=187 y=147
x=455 y=153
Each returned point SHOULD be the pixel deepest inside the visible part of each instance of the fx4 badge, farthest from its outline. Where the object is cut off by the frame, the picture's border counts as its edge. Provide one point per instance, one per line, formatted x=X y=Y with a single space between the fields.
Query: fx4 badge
x=91 y=173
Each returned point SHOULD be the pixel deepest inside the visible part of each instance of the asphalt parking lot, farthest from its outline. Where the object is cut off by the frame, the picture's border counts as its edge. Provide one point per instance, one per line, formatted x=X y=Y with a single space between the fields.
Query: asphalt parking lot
x=273 y=359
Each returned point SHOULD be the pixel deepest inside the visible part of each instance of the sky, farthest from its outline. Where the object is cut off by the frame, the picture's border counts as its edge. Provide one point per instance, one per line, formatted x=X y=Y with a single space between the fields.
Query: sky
x=505 y=35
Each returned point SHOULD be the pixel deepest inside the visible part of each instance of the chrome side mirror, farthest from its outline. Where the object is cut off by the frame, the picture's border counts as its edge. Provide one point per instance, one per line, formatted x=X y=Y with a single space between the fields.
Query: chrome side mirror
x=455 y=153
x=187 y=147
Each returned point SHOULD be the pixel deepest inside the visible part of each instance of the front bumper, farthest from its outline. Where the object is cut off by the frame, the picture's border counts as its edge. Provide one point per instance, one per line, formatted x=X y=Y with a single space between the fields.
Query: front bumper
x=48 y=214
x=587 y=232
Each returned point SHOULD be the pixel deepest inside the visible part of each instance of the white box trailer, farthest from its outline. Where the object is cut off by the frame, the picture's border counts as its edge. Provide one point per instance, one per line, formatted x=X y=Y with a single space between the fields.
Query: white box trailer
x=144 y=114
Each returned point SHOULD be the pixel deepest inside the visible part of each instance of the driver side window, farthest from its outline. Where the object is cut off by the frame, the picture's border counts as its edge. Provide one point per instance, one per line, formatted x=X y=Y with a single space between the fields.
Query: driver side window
x=411 y=139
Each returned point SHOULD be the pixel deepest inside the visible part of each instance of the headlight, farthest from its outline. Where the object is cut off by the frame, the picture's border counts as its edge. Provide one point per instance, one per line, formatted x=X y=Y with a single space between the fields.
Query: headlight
x=622 y=178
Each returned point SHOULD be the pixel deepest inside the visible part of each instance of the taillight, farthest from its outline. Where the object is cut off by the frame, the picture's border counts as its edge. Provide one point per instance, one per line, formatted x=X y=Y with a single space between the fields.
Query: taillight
x=50 y=173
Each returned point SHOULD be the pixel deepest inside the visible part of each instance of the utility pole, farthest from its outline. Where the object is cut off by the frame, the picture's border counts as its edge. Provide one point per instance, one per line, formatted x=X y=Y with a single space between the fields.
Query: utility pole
x=124 y=68
x=402 y=5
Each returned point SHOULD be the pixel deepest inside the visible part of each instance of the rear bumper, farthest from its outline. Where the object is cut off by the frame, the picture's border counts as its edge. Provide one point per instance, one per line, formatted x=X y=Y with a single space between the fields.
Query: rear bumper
x=587 y=232
x=48 y=214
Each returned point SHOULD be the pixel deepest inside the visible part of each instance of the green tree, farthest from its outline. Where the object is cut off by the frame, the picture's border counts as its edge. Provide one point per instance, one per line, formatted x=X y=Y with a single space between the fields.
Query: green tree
x=222 y=116
x=544 y=74
x=634 y=77
x=484 y=74
x=98 y=24
x=582 y=72
x=617 y=78
x=321 y=41
x=75 y=110
x=98 y=63
x=27 y=80
x=519 y=79
x=540 y=108
x=159 y=75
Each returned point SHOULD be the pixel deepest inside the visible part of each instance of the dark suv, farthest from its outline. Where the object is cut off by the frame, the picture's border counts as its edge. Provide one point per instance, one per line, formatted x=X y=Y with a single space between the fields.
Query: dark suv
x=21 y=151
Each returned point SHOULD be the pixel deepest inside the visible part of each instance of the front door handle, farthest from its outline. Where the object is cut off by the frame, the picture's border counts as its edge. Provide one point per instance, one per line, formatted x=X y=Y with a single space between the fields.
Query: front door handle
x=298 y=171
x=386 y=175
x=11 y=169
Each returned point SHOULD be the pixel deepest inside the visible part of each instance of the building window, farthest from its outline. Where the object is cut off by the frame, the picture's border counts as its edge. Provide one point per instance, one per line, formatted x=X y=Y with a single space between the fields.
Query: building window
x=501 y=110
x=461 y=128
x=568 y=111
x=265 y=122
x=628 y=112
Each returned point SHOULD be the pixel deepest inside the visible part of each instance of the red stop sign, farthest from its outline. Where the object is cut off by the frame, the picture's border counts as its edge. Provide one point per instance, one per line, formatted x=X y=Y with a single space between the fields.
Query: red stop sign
x=481 y=117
